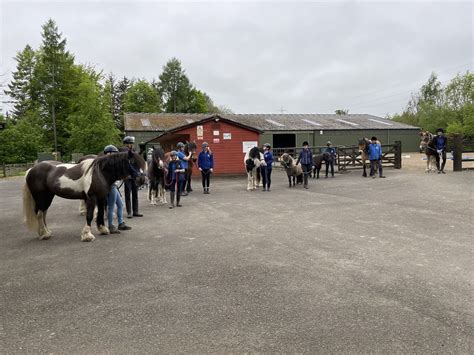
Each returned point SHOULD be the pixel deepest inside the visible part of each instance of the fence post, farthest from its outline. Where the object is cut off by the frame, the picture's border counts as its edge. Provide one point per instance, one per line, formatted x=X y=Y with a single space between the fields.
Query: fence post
x=398 y=154
x=4 y=168
x=457 y=152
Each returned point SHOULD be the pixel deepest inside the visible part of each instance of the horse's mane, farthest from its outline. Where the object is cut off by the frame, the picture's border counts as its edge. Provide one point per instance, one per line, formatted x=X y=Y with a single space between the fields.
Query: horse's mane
x=190 y=146
x=158 y=154
x=117 y=165
x=254 y=153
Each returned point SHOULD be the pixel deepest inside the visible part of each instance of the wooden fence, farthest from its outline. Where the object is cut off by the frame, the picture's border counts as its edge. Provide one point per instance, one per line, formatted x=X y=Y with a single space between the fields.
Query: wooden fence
x=348 y=157
x=458 y=146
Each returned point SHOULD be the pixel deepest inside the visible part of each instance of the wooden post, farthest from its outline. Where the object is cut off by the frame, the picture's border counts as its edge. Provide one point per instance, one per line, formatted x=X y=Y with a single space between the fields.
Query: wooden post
x=457 y=152
x=4 y=170
x=398 y=154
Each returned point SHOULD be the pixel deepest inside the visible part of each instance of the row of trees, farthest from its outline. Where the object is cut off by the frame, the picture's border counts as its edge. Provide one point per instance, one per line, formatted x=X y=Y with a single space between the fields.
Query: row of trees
x=436 y=106
x=59 y=105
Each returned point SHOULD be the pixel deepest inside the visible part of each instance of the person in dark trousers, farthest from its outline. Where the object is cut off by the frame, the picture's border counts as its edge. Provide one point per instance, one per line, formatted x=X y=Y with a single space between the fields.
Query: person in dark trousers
x=206 y=166
x=175 y=179
x=332 y=152
x=440 y=142
x=375 y=157
x=306 y=159
x=114 y=199
x=184 y=162
x=131 y=187
x=266 y=170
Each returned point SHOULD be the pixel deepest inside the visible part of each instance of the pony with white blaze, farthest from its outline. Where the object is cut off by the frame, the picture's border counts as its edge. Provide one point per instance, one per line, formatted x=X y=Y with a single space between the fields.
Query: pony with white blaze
x=293 y=171
x=156 y=177
x=89 y=180
x=253 y=160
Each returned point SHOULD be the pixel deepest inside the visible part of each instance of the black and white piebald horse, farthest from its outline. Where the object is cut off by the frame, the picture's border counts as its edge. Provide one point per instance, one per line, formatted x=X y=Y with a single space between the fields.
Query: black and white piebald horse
x=89 y=180
x=156 y=177
x=293 y=171
x=252 y=160
x=427 y=145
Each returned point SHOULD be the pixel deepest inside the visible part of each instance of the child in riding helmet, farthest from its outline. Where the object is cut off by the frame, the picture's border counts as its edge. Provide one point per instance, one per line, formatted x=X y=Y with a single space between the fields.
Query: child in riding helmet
x=206 y=166
x=306 y=159
x=175 y=178
x=184 y=163
x=330 y=163
x=266 y=169
x=440 y=142
x=114 y=199
x=375 y=156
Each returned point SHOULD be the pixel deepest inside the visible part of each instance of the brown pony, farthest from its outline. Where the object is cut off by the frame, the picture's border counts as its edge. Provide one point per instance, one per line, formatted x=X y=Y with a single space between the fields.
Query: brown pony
x=292 y=170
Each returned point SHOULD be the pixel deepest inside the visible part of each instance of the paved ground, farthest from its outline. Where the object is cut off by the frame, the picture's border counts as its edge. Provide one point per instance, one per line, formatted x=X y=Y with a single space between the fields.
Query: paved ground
x=350 y=265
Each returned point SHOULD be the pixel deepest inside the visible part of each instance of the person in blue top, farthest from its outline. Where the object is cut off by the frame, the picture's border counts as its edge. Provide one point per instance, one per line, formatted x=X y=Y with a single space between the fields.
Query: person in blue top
x=175 y=178
x=330 y=163
x=114 y=199
x=206 y=166
x=440 y=142
x=375 y=156
x=306 y=159
x=266 y=170
x=184 y=163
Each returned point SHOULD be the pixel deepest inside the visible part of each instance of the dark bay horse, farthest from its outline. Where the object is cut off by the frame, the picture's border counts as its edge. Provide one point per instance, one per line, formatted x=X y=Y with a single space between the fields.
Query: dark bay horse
x=190 y=147
x=156 y=176
x=89 y=180
x=318 y=160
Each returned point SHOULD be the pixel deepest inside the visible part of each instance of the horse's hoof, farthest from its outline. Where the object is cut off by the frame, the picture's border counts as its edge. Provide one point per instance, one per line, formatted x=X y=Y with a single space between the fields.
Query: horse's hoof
x=103 y=230
x=89 y=237
x=45 y=236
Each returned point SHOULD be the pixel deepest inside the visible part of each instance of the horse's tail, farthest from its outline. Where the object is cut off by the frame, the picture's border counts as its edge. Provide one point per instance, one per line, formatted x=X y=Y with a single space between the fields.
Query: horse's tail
x=29 y=207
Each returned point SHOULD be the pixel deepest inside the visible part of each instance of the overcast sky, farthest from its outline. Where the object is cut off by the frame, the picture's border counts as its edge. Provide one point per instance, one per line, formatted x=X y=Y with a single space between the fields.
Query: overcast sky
x=264 y=57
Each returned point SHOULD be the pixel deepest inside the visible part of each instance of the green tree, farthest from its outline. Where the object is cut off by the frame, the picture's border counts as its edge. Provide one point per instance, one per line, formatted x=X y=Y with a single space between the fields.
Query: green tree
x=142 y=97
x=341 y=112
x=174 y=87
x=90 y=126
x=55 y=80
x=20 y=89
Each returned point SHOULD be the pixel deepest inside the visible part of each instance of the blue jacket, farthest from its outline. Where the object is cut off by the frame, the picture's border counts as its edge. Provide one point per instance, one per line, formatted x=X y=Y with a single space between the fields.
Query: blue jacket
x=206 y=160
x=268 y=159
x=172 y=166
x=440 y=142
x=375 y=151
x=181 y=156
x=305 y=157
x=331 y=151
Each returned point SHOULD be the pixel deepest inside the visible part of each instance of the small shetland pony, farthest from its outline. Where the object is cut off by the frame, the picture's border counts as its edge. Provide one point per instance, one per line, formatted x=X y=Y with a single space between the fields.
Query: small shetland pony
x=156 y=177
x=89 y=180
x=292 y=170
x=318 y=160
x=252 y=160
x=427 y=145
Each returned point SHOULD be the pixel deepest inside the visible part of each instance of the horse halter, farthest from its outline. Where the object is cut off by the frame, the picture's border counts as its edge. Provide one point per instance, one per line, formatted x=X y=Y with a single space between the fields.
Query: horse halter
x=134 y=173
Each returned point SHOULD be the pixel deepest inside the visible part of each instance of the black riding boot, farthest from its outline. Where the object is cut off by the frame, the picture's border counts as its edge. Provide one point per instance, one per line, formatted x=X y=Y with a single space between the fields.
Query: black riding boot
x=172 y=199
x=178 y=197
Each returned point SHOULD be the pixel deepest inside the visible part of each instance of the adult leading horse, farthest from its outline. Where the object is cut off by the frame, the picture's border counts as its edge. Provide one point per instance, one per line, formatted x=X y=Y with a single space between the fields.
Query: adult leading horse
x=427 y=145
x=89 y=180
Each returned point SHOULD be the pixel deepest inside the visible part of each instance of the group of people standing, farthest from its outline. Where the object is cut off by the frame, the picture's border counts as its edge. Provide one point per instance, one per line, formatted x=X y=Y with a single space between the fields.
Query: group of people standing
x=306 y=159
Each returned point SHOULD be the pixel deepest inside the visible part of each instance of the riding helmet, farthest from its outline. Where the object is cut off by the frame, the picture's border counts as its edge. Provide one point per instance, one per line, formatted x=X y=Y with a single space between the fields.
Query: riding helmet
x=440 y=130
x=267 y=145
x=373 y=138
x=205 y=144
x=110 y=149
x=328 y=143
x=180 y=145
x=173 y=153
x=305 y=143
x=129 y=140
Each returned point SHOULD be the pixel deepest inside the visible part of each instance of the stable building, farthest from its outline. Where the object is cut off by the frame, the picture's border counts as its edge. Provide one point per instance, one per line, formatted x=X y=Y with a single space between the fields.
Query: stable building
x=280 y=130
